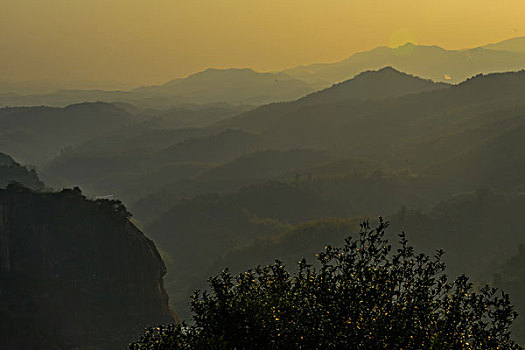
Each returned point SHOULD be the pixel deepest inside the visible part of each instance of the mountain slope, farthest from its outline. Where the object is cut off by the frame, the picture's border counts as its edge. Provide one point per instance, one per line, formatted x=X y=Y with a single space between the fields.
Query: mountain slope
x=367 y=86
x=373 y=85
x=388 y=130
x=514 y=45
x=497 y=163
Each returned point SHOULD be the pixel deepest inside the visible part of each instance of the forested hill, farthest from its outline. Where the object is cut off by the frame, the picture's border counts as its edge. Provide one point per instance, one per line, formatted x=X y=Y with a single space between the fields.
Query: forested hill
x=367 y=86
x=373 y=85
x=414 y=128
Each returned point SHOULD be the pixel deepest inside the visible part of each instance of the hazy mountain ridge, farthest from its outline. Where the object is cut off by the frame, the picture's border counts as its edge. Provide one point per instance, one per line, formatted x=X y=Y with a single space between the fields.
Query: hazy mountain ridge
x=439 y=116
x=367 y=86
x=36 y=134
x=430 y=62
x=513 y=44
x=395 y=123
x=185 y=152
x=373 y=85
x=245 y=86
x=233 y=86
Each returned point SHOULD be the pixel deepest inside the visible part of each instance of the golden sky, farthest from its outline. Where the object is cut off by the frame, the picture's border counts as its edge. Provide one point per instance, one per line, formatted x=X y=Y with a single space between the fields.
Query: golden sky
x=137 y=42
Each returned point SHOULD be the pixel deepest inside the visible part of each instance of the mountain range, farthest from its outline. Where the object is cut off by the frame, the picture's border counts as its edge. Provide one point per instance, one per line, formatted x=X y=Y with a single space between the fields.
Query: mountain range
x=219 y=184
x=248 y=87
x=366 y=146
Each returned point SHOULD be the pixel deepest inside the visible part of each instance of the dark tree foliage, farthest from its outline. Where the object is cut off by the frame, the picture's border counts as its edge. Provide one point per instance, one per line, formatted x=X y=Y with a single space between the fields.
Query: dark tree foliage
x=365 y=295
x=114 y=205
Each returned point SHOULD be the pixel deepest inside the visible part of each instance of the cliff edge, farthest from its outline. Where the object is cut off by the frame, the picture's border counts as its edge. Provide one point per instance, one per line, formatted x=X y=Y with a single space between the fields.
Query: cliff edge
x=75 y=273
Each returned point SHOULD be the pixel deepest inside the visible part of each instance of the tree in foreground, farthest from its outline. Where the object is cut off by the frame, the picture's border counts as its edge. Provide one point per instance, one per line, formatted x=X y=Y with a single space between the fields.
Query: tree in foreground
x=365 y=295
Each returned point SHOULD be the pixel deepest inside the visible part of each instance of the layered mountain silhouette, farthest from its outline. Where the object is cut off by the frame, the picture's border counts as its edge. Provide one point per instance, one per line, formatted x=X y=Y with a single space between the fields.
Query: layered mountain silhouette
x=430 y=62
x=373 y=85
x=234 y=86
x=368 y=86
x=395 y=123
x=36 y=134
x=383 y=142
x=215 y=144
x=384 y=115
x=245 y=86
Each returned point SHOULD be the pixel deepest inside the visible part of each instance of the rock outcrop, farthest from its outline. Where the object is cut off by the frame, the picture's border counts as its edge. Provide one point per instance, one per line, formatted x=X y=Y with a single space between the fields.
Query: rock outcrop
x=75 y=273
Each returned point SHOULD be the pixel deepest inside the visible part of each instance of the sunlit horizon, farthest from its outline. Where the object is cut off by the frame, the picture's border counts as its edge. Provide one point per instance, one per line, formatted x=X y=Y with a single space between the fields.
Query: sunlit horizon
x=125 y=44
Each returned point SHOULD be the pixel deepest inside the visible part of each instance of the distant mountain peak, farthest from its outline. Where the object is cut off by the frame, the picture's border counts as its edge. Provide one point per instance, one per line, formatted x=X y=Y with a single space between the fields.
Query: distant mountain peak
x=407 y=44
x=428 y=61
x=390 y=72
x=384 y=70
x=374 y=85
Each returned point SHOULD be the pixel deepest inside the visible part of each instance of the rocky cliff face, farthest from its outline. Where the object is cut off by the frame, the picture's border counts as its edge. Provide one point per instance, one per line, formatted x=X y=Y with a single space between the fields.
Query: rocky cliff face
x=74 y=273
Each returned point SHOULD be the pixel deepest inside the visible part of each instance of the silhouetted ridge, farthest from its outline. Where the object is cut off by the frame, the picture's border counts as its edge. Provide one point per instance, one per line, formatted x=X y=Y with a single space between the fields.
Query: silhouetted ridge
x=368 y=86
x=431 y=62
x=507 y=78
x=513 y=45
x=234 y=85
x=374 y=85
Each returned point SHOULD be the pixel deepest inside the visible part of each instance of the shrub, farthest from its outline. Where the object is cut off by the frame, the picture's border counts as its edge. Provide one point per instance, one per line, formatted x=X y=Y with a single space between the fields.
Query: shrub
x=364 y=295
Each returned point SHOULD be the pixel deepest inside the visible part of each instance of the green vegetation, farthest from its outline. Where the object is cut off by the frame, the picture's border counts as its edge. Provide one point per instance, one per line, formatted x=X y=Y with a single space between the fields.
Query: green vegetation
x=364 y=295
